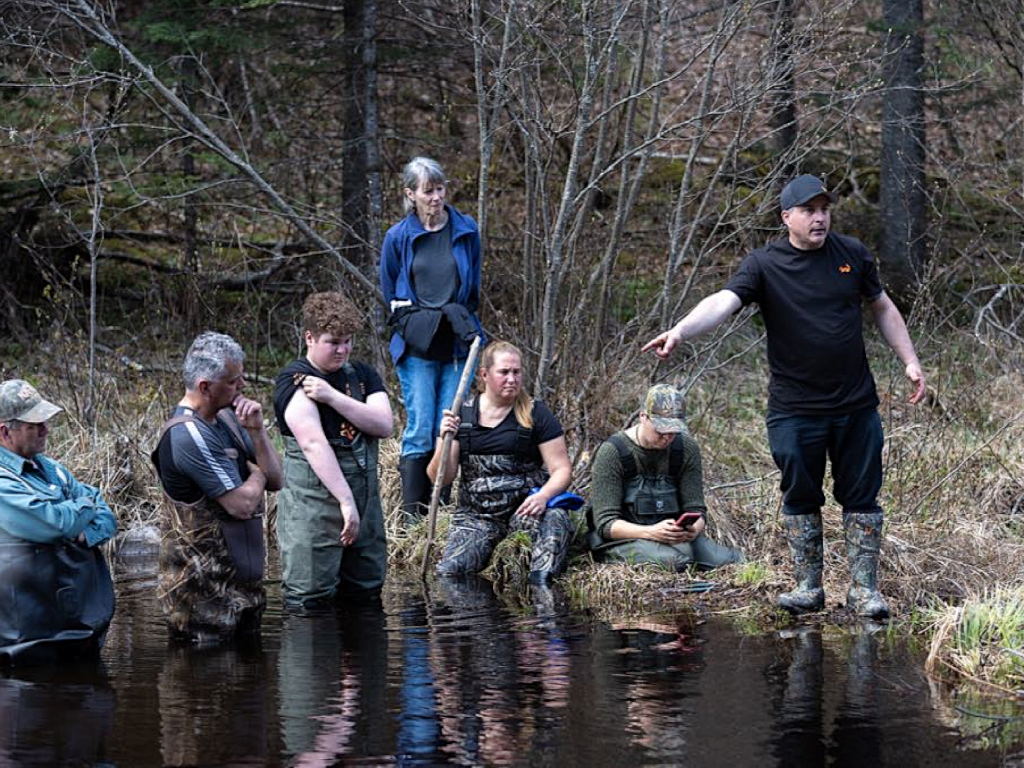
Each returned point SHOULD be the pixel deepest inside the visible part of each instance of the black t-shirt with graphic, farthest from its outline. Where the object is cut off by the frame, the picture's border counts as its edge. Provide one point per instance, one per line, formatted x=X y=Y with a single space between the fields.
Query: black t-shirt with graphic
x=811 y=302
x=334 y=424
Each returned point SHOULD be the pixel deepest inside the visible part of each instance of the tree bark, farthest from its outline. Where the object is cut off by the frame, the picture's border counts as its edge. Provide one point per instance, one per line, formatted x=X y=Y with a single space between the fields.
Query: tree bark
x=354 y=201
x=902 y=201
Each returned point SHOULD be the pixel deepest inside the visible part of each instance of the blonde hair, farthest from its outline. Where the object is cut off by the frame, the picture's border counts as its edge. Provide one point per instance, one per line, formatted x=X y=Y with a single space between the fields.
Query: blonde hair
x=524 y=400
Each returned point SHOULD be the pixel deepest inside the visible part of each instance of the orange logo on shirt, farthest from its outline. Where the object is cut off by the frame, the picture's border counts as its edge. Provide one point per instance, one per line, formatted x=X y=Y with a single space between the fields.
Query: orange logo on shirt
x=845 y=269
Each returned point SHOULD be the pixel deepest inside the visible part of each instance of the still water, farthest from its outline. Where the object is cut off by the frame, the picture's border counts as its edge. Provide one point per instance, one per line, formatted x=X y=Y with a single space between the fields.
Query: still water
x=458 y=677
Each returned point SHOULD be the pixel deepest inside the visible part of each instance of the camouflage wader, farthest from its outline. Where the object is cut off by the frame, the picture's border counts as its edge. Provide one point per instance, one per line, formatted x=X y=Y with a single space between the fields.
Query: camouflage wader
x=199 y=591
x=211 y=584
x=314 y=565
x=491 y=489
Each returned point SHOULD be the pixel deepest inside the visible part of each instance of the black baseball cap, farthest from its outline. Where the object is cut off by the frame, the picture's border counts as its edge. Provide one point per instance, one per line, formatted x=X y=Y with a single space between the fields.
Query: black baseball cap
x=803 y=188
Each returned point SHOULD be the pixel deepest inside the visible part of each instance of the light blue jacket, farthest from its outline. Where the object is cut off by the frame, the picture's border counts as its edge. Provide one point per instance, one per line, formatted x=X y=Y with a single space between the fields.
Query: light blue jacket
x=42 y=503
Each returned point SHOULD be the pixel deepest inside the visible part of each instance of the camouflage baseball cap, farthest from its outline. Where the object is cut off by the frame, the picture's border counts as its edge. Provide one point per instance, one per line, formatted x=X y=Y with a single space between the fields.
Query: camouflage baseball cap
x=666 y=408
x=20 y=401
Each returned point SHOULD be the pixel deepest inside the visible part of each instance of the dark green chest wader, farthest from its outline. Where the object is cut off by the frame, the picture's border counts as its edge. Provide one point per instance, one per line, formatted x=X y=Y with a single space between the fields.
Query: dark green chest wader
x=52 y=593
x=314 y=565
x=646 y=499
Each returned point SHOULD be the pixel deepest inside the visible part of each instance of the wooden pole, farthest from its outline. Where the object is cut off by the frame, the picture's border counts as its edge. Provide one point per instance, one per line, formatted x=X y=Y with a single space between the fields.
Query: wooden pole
x=442 y=469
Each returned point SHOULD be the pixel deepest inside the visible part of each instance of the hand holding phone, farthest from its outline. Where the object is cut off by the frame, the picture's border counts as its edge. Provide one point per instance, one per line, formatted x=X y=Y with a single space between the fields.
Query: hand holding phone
x=687 y=519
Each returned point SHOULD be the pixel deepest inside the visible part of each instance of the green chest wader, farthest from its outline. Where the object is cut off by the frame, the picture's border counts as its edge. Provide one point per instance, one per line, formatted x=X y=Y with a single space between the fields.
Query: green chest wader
x=646 y=499
x=309 y=524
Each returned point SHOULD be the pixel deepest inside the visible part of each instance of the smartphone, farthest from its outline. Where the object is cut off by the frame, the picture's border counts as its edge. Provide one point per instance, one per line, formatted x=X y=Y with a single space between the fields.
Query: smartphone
x=687 y=519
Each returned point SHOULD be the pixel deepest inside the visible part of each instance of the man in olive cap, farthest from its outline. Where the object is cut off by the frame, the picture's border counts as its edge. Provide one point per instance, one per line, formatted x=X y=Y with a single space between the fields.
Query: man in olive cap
x=54 y=582
x=647 y=492
x=822 y=402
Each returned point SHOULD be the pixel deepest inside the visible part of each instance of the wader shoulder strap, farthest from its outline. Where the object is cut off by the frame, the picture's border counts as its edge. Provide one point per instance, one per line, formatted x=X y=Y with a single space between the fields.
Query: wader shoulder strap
x=352 y=374
x=468 y=415
x=236 y=435
x=171 y=422
x=675 y=457
x=626 y=458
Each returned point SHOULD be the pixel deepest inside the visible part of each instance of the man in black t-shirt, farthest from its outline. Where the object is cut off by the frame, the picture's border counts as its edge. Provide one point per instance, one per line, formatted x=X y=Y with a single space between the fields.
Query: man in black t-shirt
x=821 y=397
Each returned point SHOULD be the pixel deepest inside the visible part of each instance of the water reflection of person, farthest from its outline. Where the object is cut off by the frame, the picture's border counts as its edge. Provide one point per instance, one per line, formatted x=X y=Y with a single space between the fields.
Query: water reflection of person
x=543 y=652
x=332 y=670
x=661 y=660
x=475 y=677
x=35 y=727
x=805 y=737
x=213 y=706
x=858 y=737
x=418 y=727
x=801 y=738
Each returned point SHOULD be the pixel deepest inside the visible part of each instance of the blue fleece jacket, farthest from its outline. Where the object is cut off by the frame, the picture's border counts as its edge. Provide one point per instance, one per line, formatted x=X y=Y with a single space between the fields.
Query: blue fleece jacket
x=396 y=268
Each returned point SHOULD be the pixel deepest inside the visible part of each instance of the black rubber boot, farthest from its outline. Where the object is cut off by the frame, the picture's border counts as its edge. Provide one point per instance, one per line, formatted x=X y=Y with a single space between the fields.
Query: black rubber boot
x=416 y=487
x=804 y=534
x=863 y=541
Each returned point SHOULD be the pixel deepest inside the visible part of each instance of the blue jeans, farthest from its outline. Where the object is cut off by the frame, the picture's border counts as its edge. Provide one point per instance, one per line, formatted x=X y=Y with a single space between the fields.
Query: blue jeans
x=851 y=441
x=428 y=387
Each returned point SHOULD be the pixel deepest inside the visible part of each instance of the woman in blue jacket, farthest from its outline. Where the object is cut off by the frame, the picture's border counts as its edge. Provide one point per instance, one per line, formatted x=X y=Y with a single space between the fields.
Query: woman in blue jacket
x=430 y=276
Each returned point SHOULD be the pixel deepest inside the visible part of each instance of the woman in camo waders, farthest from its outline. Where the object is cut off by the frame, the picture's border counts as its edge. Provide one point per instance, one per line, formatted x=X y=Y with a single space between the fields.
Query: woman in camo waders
x=508 y=445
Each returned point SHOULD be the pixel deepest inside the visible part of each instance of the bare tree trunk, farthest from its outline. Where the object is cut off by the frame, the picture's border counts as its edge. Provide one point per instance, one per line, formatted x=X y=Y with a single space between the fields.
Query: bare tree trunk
x=629 y=184
x=189 y=287
x=354 y=168
x=677 y=253
x=783 y=107
x=488 y=106
x=593 y=58
x=902 y=196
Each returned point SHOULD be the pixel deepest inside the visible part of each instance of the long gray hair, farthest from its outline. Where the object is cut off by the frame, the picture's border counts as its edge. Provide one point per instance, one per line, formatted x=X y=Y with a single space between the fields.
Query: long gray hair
x=416 y=171
x=208 y=356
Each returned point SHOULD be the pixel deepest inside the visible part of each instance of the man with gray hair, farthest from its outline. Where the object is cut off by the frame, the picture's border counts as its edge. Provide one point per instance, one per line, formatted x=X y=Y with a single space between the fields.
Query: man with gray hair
x=55 y=587
x=215 y=461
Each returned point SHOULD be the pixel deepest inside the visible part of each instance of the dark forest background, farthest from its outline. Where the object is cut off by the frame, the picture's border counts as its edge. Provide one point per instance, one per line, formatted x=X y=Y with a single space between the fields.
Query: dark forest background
x=175 y=165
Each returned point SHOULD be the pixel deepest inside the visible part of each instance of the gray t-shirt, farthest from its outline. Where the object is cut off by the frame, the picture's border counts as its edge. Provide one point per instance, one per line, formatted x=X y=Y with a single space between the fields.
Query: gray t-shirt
x=198 y=459
x=435 y=275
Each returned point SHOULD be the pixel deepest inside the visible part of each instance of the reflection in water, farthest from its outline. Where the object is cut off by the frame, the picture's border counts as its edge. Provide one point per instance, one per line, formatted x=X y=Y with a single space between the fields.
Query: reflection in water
x=332 y=678
x=661 y=661
x=213 y=707
x=807 y=737
x=36 y=726
x=458 y=676
x=500 y=693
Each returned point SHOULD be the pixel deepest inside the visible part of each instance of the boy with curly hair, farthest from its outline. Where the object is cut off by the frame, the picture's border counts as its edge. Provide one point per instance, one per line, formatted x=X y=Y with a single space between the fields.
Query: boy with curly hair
x=331 y=412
